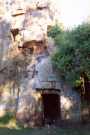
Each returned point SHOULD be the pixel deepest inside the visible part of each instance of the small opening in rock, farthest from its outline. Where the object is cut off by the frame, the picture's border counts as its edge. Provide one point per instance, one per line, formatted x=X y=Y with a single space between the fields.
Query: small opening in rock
x=14 y=33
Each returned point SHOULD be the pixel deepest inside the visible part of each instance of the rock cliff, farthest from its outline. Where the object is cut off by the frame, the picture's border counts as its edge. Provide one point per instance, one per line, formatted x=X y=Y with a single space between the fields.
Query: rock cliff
x=25 y=63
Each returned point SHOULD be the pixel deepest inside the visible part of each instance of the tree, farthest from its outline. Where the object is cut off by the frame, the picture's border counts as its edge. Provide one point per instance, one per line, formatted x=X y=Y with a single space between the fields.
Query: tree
x=73 y=54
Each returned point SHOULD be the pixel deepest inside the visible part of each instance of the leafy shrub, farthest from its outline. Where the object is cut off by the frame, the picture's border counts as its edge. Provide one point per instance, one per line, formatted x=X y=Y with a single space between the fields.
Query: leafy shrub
x=73 y=54
x=54 y=31
x=5 y=119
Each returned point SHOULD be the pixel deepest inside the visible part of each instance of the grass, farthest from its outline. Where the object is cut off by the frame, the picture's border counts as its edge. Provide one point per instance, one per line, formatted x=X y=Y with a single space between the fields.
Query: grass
x=8 y=126
x=46 y=131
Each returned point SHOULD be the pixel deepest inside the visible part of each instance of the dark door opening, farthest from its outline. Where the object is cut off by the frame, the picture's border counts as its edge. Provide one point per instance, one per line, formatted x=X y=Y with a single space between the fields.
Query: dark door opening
x=14 y=32
x=51 y=106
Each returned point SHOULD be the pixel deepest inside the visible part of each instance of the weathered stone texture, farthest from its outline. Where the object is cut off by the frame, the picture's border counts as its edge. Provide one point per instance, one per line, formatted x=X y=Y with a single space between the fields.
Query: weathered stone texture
x=25 y=71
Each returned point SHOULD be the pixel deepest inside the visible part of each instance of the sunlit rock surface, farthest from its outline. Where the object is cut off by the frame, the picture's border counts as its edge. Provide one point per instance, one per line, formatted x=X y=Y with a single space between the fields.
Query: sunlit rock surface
x=70 y=104
x=5 y=39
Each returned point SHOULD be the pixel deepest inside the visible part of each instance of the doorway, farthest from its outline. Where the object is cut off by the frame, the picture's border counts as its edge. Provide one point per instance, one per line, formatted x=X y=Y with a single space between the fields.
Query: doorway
x=51 y=108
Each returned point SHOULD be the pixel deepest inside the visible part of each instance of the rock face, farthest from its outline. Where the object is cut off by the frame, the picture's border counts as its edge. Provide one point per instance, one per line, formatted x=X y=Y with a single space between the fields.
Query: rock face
x=5 y=39
x=27 y=66
x=70 y=104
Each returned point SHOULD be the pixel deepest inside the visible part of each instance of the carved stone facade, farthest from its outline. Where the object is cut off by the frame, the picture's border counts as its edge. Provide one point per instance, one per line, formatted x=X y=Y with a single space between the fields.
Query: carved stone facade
x=31 y=77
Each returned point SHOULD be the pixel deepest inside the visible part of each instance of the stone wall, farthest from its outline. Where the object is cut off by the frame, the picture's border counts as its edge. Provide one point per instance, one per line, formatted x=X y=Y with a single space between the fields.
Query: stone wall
x=30 y=109
x=5 y=41
x=70 y=104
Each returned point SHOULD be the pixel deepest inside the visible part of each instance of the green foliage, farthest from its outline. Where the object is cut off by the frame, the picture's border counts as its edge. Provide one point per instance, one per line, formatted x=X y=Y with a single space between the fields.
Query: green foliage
x=54 y=31
x=73 y=53
x=5 y=119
